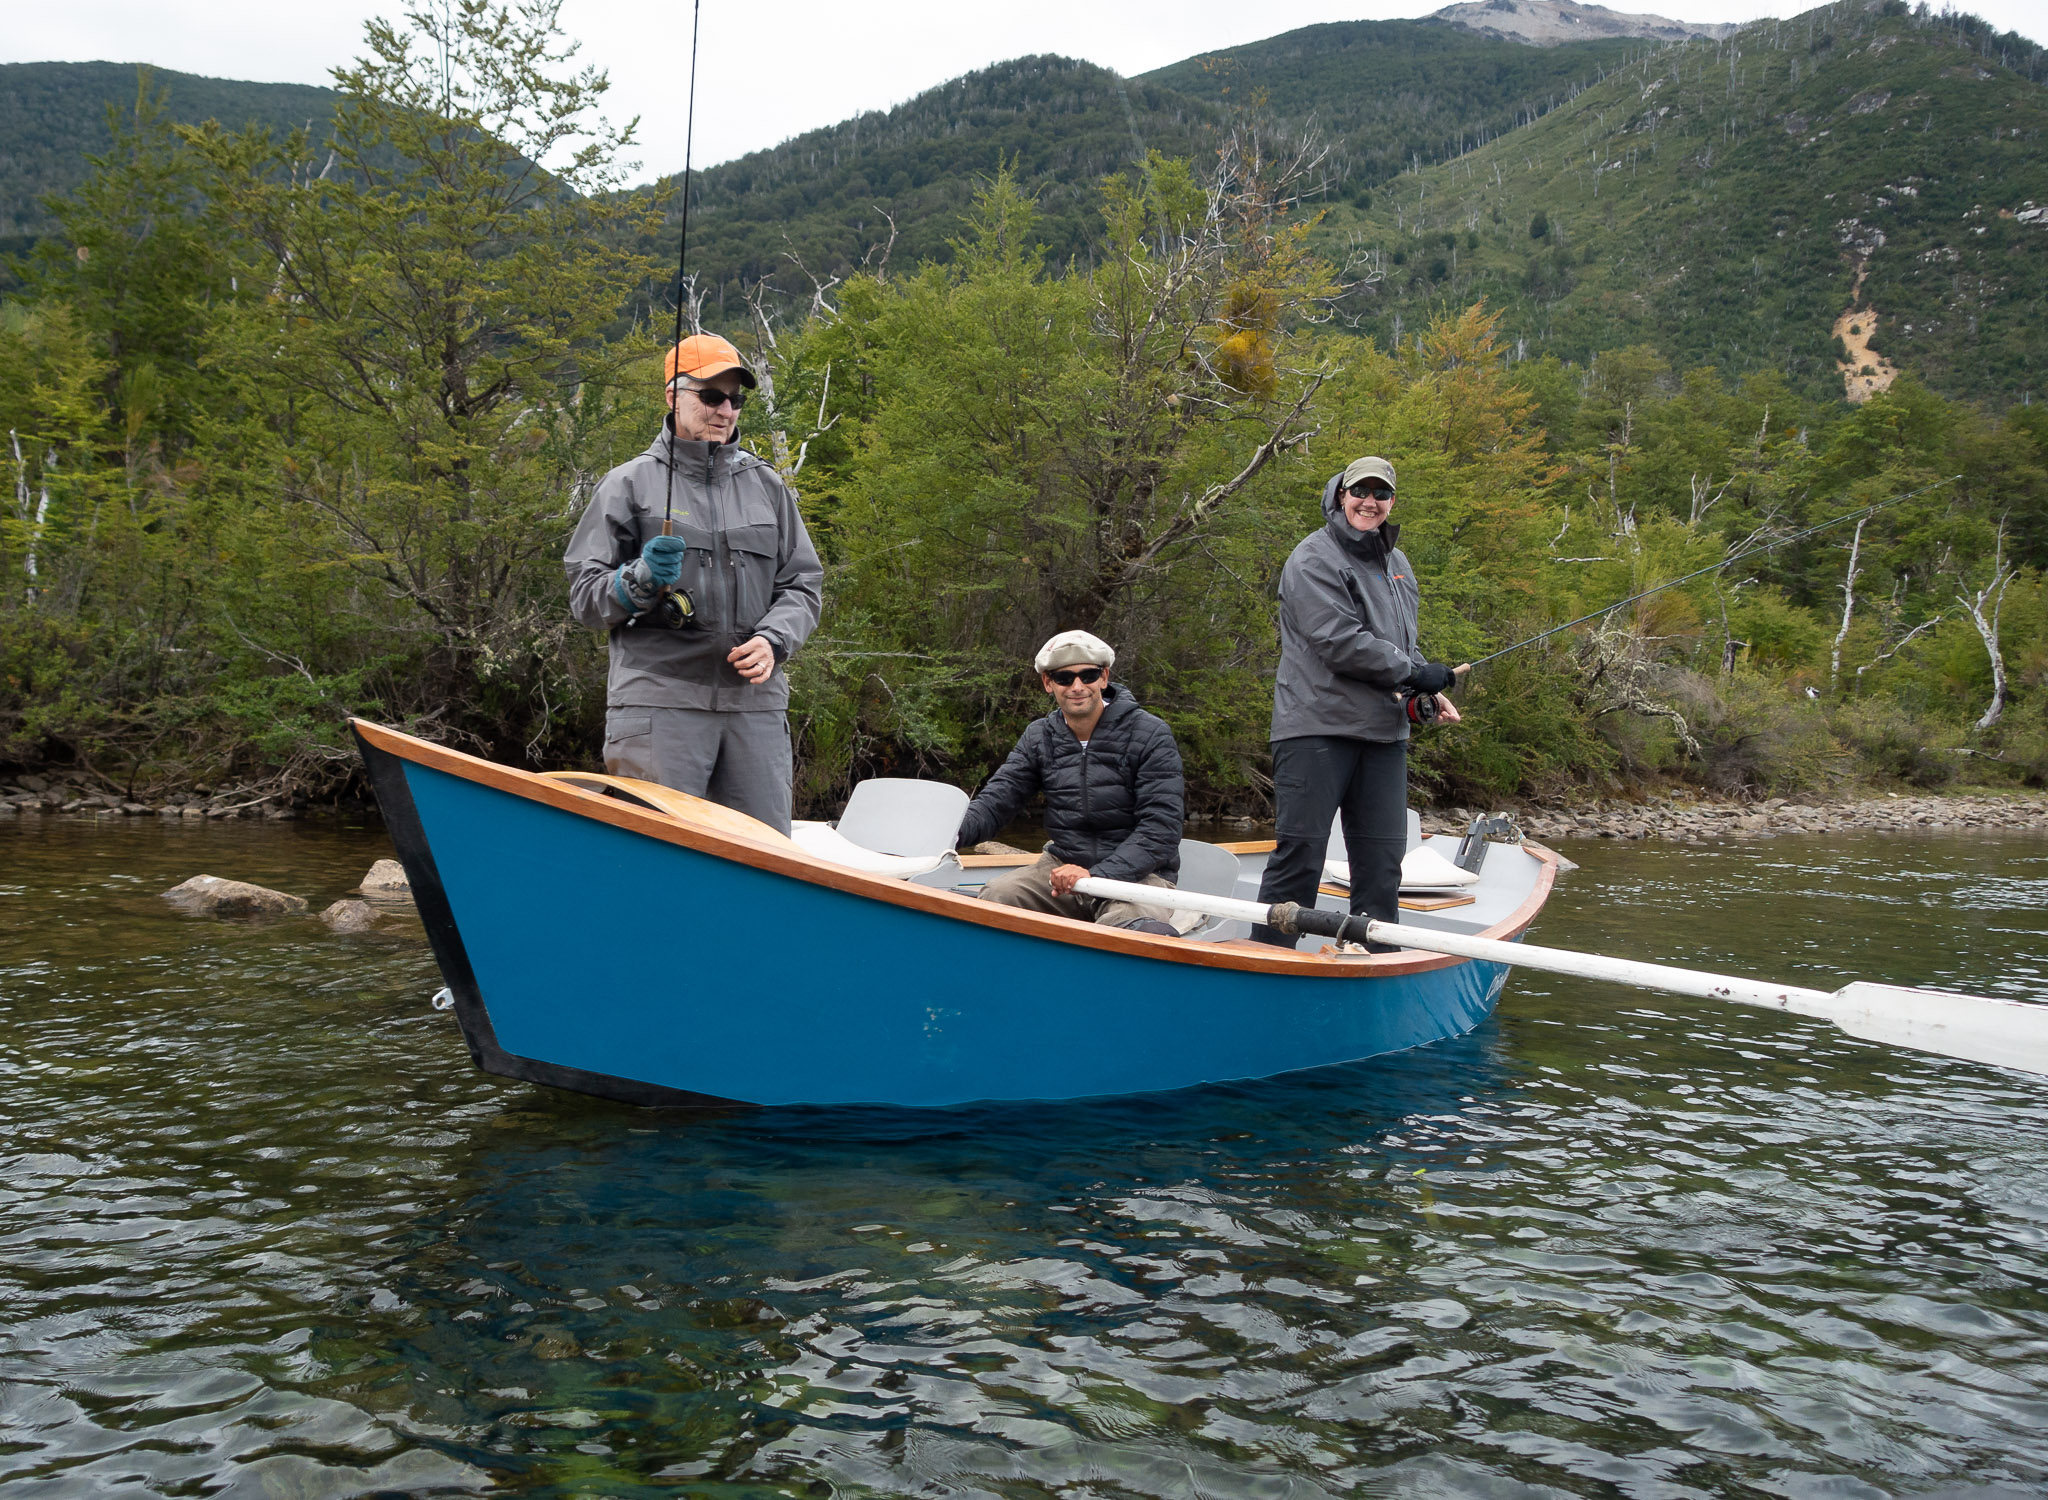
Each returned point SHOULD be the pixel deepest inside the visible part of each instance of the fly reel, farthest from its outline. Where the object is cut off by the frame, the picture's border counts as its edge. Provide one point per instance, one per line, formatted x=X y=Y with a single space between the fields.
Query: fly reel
x=675 y=610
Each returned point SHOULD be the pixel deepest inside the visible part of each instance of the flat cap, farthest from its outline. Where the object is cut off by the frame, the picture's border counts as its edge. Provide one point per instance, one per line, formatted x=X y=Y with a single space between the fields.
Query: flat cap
x=1074 y=648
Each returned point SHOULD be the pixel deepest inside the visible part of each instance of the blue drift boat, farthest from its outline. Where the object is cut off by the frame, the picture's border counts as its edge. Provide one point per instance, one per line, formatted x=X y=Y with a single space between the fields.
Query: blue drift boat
x=620 y=939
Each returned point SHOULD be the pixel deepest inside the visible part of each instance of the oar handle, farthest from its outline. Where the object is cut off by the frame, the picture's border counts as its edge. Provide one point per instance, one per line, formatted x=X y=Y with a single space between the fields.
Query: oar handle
x=1284 y=917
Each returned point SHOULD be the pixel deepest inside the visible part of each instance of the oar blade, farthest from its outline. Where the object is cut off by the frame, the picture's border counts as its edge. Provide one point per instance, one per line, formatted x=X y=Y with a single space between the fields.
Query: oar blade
x=2002 y=1033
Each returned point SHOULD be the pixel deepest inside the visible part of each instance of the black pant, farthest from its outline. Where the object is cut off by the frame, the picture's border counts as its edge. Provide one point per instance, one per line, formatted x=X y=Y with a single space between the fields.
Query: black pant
x=1315 y=775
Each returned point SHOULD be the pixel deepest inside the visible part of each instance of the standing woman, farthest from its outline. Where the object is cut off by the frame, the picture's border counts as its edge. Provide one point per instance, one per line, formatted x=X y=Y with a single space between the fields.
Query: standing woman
x=1348 y=668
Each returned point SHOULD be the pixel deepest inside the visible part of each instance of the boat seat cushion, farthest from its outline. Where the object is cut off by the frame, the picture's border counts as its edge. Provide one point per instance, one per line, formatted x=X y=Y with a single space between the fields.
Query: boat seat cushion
x=1422 y=869
x=825 y=842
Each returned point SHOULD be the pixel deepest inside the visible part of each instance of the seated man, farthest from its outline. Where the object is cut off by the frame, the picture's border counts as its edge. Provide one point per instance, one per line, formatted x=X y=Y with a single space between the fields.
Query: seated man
x=1114 y=798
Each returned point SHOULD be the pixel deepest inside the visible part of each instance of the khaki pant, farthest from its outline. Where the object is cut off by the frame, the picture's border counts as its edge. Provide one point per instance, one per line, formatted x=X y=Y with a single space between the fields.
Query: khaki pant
x=738 y=760
x=1031 y=888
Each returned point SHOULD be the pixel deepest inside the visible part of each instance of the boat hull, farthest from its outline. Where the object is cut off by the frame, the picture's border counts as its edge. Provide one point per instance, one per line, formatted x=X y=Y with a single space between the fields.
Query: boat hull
x=591 y=956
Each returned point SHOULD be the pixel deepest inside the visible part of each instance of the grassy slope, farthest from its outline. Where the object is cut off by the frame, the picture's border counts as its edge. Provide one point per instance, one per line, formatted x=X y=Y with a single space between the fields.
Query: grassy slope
x=53 y=115
x=1716 y=199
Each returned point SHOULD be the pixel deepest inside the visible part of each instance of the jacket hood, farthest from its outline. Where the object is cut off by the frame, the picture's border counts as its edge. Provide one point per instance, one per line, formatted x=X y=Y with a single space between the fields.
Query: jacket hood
x=1388 y=533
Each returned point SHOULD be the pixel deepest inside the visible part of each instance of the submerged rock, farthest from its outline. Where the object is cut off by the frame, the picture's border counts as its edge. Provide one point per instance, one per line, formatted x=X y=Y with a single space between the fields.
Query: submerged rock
x=349 y=915
x=387 y=879
x=209 y=895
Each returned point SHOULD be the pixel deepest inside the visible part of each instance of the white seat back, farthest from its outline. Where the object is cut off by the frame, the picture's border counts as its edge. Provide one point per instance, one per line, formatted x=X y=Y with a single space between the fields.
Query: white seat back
x=1207 y=869
x=1338 y=851
x=895 y=815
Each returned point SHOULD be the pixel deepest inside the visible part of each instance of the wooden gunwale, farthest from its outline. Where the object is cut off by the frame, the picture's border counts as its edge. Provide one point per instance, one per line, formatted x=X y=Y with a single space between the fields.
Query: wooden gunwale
x=796 y=864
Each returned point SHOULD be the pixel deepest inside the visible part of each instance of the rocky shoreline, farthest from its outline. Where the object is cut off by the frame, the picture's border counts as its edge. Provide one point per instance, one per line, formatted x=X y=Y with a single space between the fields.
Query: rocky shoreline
x=1698 y=821
x=76 y=796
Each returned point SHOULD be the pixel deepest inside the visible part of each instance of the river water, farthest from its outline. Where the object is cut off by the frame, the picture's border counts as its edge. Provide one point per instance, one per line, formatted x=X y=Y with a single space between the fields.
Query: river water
x=264 y=1232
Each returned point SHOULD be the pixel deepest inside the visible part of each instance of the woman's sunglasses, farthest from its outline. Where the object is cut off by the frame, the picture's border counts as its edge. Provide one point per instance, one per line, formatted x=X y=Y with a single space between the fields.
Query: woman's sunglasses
x=1365 y=490
x=714 y=398
x=1088 y=676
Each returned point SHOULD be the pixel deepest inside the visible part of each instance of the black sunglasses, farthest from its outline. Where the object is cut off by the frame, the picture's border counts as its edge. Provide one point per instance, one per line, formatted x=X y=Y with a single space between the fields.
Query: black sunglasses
x=1087 y=676
x=1366 y=489
x=714 y=398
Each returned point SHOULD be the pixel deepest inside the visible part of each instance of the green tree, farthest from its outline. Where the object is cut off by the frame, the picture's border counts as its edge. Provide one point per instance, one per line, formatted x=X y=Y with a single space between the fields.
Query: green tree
x=424 y=387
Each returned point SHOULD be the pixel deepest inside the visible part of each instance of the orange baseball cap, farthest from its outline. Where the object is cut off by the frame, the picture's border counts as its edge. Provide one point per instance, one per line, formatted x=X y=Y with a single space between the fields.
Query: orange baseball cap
x=703 y=355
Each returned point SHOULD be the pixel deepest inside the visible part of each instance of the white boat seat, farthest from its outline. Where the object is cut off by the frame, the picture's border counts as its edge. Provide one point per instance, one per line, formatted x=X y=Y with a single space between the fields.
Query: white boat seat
x=896 y=815
x=1422 y=869
x=825 y=842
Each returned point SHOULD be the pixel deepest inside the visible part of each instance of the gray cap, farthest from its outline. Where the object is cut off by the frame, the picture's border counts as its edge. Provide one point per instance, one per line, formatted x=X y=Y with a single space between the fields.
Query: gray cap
x=1074 y=648
x=1368 y=468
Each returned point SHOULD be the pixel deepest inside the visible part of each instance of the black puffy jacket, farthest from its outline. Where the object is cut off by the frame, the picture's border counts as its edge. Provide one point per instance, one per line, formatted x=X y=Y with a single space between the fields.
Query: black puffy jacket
x=1116 y=807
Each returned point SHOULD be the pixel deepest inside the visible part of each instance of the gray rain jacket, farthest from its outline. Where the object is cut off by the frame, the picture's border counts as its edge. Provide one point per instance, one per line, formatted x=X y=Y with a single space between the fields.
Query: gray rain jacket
x=1348 y=605
x=750 y=568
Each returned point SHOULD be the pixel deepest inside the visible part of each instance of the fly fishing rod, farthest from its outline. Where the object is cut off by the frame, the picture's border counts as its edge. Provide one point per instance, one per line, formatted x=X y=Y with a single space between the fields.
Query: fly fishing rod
x=1726 y=562
x=676 y=606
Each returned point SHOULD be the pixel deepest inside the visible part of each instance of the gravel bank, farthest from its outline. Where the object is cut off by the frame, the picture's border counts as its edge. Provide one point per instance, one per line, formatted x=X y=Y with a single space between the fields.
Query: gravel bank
x=1695 y=821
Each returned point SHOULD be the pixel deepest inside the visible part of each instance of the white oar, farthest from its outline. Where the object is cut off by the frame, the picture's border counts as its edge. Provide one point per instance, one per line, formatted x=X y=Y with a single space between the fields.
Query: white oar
x=2004 y=1033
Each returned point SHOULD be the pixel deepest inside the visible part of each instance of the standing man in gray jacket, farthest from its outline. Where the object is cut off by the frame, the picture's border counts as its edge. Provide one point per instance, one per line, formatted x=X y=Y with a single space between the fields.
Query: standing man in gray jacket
x=1349 y=671
x=701 y=620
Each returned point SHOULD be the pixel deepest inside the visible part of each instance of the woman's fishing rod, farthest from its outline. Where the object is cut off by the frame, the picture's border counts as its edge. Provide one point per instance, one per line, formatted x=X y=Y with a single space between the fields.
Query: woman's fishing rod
x=676 y=605
x=1725 y=562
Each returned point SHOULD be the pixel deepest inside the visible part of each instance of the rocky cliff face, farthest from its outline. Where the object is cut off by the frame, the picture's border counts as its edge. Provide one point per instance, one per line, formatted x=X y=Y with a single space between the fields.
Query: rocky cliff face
x=1545 y=23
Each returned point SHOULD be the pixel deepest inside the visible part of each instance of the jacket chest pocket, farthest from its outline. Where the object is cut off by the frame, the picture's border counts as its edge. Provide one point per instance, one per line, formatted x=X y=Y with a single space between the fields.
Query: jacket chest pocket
x=1408 y=599
x=750 y=557
x=700 y=547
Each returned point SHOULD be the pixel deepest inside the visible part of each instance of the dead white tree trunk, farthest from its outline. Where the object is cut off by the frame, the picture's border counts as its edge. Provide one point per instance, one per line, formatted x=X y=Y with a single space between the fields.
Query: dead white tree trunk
x=34 y=515
x=1993 y=594
x=1848 y=604
x=1705 y=497
x=788 y=464
x=692 y=297
x=1903 y=641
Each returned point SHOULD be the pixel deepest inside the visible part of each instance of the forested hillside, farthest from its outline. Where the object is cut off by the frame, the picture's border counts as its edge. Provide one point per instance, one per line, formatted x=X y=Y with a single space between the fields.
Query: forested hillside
x=1388 y=96
x=830 y=196
x=54 y=115
x=1384 y=95
x=1727 y=201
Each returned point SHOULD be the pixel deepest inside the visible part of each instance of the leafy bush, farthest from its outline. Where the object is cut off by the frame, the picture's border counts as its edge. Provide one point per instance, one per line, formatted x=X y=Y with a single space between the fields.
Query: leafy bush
x=1891 y=743
x=1769 y=740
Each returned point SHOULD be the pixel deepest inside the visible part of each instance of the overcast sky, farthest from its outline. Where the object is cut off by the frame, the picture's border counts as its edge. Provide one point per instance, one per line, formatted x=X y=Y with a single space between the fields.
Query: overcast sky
x=766 y=72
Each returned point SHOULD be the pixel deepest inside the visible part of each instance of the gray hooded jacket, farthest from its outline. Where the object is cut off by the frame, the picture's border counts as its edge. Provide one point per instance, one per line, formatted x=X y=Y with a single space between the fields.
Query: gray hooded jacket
x=1348 y=605
x=750 y=568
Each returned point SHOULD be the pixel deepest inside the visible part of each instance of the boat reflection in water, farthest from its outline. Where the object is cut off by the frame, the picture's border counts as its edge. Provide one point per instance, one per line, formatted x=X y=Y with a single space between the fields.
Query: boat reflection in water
x=774 y=1296
x=786 y=978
